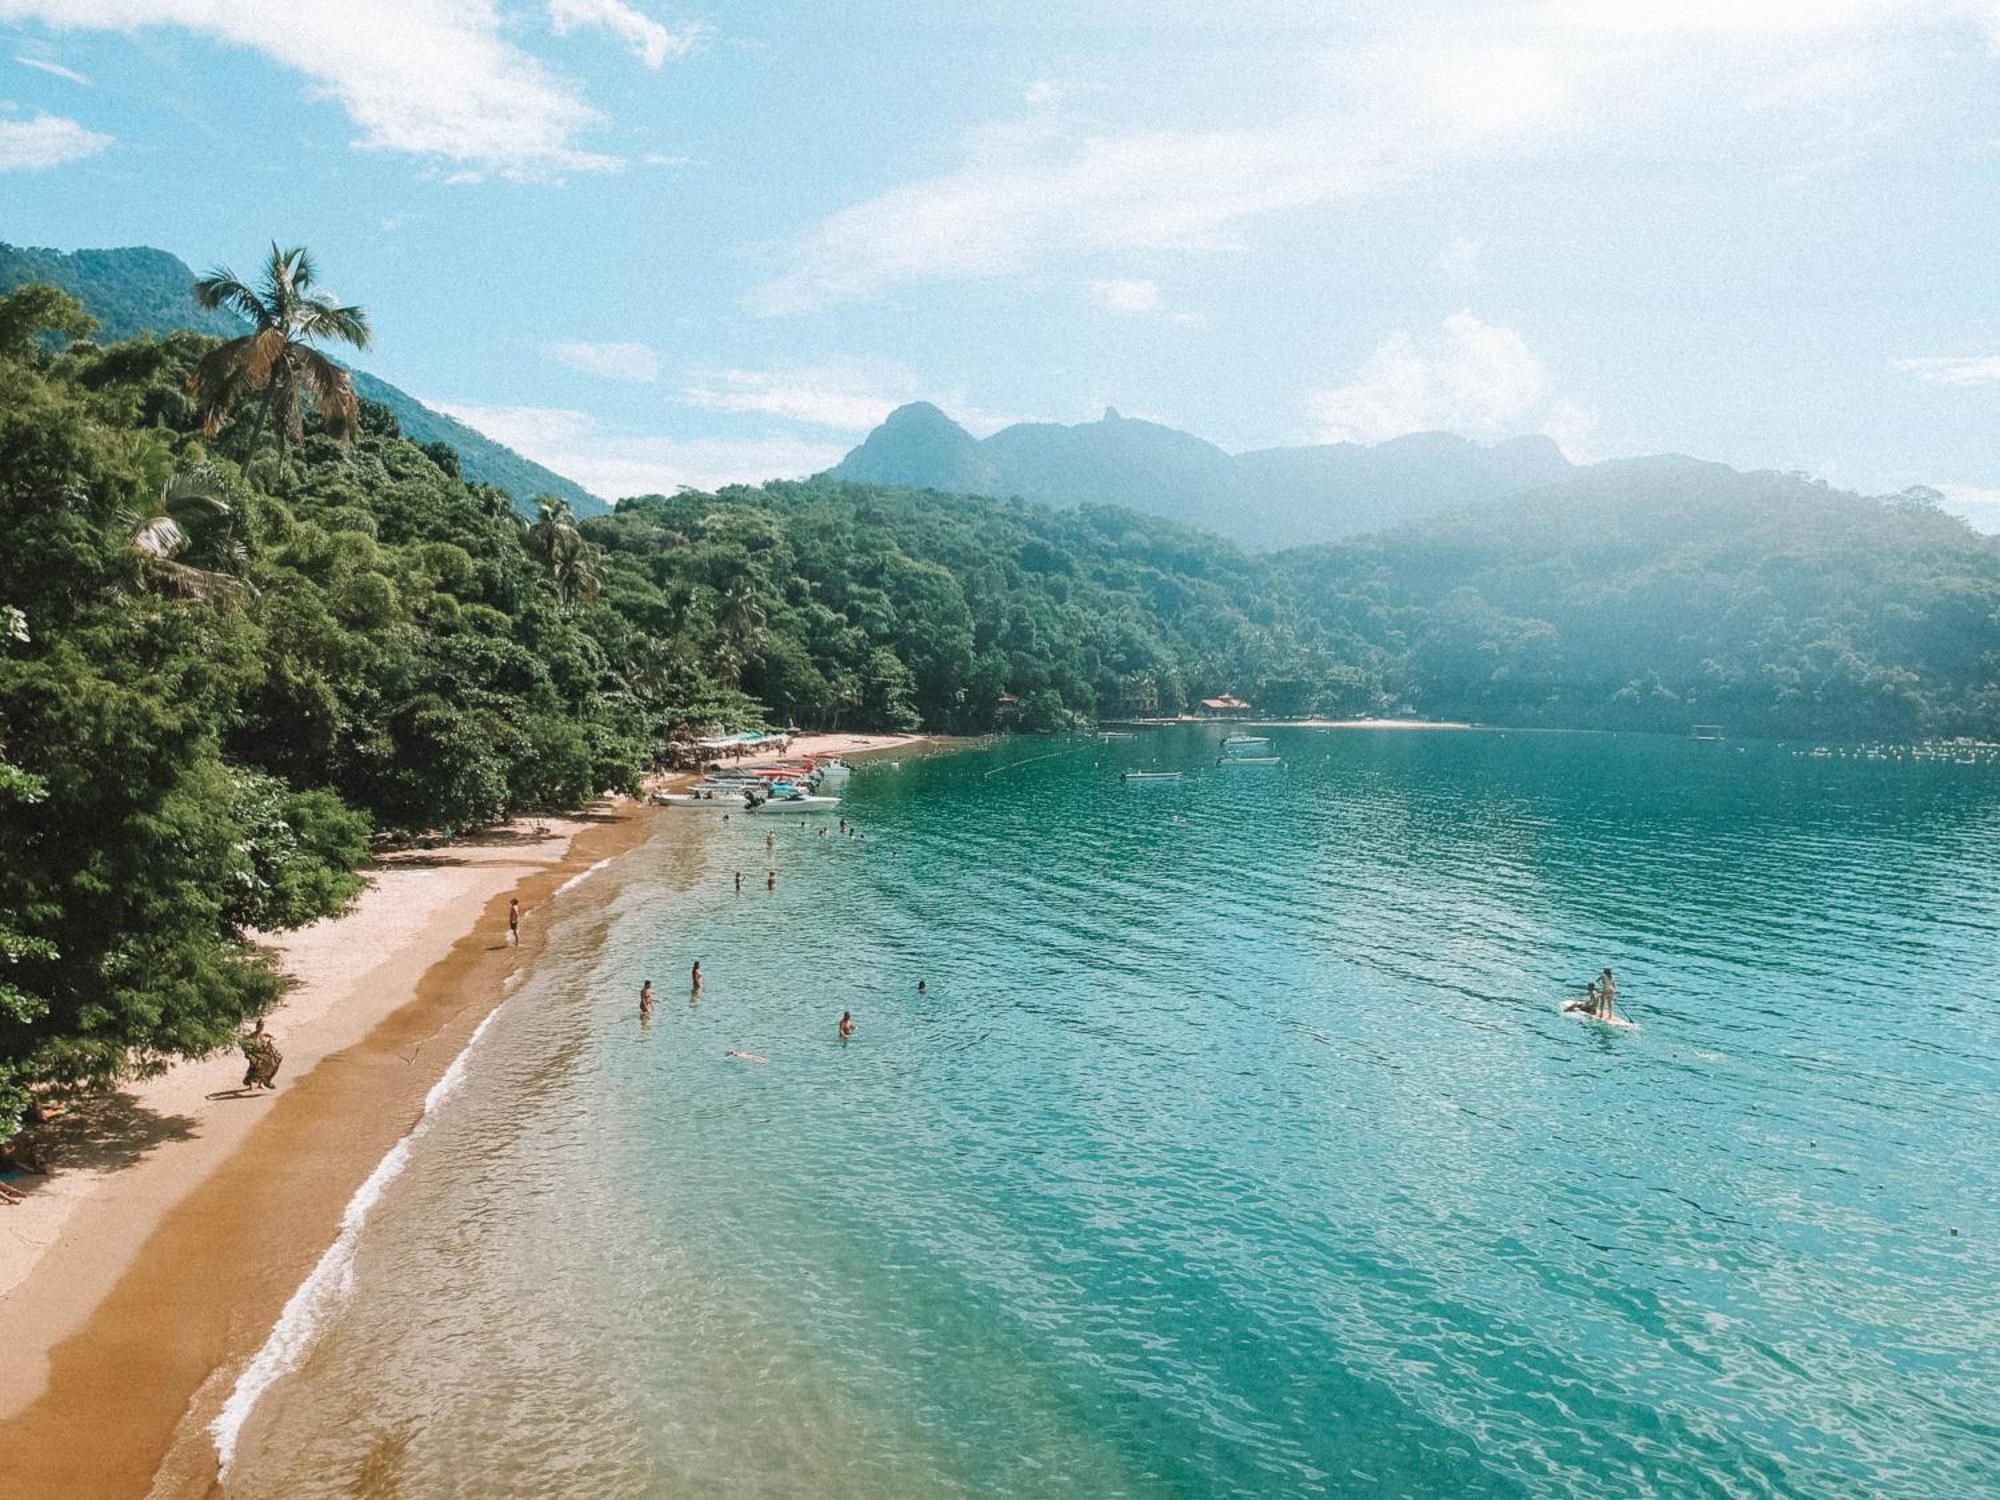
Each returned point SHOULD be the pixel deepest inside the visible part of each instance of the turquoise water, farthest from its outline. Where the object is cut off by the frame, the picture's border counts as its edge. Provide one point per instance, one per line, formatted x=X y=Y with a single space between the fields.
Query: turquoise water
x=1238 y=1148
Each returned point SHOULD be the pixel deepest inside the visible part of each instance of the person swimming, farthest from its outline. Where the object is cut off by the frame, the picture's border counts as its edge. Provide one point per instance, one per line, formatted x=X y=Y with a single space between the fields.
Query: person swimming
x=749 y=1057
x=923 y=986
x=846 y=1025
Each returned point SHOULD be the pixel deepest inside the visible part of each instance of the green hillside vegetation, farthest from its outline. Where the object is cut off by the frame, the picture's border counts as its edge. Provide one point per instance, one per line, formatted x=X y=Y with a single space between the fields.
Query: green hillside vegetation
x=139 y=290
x=1660 y=594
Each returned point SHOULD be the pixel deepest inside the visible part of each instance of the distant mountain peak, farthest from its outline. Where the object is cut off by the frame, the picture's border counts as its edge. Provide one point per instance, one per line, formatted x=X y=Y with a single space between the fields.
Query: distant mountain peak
x=1275 y=497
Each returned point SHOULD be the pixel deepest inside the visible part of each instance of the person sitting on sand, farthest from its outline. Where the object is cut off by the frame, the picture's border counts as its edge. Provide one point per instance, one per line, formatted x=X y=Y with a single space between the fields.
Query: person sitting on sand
x=260 y=1050
x=846 y=1026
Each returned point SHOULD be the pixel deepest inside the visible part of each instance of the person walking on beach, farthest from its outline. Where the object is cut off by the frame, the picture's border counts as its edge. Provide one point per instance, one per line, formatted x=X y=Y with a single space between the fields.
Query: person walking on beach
x=646 y=1000
x=514 y=922
x=846 y=1026
x=260 y=1051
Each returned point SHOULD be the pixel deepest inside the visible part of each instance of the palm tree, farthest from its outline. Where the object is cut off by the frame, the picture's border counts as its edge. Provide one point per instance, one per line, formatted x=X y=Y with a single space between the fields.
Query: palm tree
x=190 y=517
x=571 y=561
x=741 y=617
x=277 y=358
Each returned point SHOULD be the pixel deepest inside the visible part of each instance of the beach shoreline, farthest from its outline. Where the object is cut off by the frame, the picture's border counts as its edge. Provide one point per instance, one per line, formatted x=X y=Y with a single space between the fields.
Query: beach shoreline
x=137 y=1279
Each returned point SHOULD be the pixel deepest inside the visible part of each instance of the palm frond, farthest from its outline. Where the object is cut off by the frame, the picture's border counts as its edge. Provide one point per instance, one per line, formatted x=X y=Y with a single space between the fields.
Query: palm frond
x=221 y=288
x=321 y=318
x=330 y=389
x=231 y=371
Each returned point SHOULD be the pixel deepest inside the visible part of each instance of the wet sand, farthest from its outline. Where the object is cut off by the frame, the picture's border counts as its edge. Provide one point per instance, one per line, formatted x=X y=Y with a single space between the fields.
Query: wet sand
x=157 y=1265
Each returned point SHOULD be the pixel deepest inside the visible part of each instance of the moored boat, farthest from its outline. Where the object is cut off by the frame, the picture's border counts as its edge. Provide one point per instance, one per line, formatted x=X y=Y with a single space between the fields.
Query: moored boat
x=1245 y=741
x=1149 y=776
x=1250 y=760
x=791 y=801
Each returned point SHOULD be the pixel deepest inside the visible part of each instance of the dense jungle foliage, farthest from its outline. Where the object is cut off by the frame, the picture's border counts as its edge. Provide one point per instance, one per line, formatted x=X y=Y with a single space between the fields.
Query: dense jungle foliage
x=225 y=663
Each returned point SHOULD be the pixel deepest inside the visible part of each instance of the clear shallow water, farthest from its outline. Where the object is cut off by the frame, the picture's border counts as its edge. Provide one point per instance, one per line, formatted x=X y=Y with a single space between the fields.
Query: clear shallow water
x=1244 y=1154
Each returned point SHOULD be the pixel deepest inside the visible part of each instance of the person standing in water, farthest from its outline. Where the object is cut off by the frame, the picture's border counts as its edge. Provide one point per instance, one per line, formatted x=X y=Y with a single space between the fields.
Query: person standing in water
x=770 y=840
x=739 y=882
x=846 y=1026
x=646 y=1000
x=771 y=880
x=514 y=921
x=923 y=986
x=694 y=985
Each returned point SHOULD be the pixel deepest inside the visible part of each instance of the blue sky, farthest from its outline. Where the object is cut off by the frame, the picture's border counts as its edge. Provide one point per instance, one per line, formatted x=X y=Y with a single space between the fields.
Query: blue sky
x=651 y=245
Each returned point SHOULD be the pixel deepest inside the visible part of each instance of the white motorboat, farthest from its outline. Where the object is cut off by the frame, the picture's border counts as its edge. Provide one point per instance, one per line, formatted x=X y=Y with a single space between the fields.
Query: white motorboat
x=1245 y=741
x=1250 y=760
x=1149 y=776
x=791 y=802
x=713 y=798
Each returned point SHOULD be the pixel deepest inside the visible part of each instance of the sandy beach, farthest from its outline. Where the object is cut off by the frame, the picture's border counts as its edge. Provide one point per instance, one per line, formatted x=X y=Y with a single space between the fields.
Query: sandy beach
x=181 y=1213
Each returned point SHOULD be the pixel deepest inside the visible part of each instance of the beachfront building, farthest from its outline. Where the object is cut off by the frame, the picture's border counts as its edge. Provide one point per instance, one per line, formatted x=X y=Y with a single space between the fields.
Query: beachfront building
x=1228 y=706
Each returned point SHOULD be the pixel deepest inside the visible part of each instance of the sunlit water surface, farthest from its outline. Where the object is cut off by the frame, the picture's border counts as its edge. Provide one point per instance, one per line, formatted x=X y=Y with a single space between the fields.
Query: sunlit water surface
x=1238 y=1148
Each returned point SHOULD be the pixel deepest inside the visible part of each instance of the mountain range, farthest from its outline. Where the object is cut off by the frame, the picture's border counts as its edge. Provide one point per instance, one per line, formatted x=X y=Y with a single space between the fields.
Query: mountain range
x=139 y=290
x=1269 y=498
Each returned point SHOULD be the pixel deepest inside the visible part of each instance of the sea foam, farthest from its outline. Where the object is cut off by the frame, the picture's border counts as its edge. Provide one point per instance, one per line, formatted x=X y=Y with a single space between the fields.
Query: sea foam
x=332 y=1280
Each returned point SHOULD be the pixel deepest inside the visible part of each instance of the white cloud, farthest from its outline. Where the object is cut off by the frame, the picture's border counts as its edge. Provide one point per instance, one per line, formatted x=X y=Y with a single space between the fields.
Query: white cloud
x=1976 y=369
x=45 y=141
x=636 y=362
x=1978 y=505
x=650 y=42
x=616 y=464
x=436 y=78
x=1383 y=103
x=1127 y=296
x=1468 y=377
x=847 y=396
x=55 y=69
x=1459 y=260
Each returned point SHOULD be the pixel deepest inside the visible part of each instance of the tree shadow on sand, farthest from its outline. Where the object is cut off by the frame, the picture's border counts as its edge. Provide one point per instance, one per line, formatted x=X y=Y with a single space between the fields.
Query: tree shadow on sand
x=97 y=1133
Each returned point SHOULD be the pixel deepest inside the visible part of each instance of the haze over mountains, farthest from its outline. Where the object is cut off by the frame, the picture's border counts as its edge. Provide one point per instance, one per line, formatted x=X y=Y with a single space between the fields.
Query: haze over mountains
x=138 y=289
x=1269 y=498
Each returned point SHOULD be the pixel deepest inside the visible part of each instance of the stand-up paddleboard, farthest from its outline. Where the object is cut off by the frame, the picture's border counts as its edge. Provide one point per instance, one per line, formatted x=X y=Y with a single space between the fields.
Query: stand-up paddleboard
x=1579 y=1014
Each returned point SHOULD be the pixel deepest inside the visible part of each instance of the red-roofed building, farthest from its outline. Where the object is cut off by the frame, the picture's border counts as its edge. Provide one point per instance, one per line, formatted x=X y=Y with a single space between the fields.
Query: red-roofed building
x=1228 y=703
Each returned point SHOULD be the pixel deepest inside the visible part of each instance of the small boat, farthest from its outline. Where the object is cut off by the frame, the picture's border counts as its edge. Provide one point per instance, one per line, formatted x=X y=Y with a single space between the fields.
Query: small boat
x=1117 y=734
x=832 y=772
x=1149 y=775
x=1250 y=760
x=1245 y=741
x=711 y=798
x=793 y=801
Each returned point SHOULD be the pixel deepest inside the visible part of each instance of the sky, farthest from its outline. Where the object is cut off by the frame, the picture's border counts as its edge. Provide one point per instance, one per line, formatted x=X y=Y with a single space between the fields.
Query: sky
x=652 y=245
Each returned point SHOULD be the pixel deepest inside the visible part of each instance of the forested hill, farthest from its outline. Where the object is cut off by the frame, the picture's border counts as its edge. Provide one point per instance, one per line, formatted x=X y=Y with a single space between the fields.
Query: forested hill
x=1657 y=594
x=140 y=290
